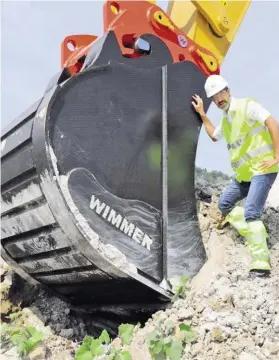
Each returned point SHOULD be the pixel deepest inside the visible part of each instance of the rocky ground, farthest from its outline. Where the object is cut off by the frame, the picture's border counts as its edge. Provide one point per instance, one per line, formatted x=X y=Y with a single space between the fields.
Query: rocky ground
x=235 y=316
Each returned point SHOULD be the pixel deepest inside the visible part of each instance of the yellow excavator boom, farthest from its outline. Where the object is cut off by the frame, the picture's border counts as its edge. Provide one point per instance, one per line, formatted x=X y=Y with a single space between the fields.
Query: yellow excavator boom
x=211 y=24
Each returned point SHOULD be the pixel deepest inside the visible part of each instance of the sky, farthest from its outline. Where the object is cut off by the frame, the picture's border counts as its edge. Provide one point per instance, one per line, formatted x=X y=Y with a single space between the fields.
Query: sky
x=32 y=32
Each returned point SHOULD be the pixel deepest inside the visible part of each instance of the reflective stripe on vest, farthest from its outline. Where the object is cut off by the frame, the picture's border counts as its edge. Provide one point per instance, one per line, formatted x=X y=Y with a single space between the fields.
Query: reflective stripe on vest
x=238 y=143
x=252 y=154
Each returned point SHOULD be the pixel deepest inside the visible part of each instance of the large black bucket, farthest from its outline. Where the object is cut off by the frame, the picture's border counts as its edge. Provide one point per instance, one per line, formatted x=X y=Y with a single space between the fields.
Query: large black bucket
x=98 y=197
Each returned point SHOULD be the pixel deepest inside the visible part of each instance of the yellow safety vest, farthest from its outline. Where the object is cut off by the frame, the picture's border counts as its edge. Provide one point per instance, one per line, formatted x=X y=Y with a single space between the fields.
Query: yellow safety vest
x=247 y=145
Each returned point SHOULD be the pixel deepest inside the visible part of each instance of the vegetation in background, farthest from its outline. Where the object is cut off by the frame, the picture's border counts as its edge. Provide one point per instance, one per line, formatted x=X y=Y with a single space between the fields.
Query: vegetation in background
x=211 y=176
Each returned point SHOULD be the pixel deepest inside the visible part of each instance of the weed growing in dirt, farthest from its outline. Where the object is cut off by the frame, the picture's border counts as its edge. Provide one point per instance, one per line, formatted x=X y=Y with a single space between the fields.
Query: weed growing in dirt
x=25 y=339
x=91 y=348
x=179 y=285
x=169 y=344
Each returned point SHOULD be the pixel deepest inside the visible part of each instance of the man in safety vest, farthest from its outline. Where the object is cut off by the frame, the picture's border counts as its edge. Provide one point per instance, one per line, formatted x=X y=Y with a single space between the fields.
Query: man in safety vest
x=252 y=137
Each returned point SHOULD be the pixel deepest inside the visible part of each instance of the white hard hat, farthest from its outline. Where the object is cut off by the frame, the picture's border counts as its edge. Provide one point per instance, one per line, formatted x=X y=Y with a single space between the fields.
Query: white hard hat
x=214 y=84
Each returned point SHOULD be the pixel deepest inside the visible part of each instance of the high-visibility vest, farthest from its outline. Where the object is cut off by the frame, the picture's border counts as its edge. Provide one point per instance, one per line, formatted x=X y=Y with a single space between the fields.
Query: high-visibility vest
x=247 y=145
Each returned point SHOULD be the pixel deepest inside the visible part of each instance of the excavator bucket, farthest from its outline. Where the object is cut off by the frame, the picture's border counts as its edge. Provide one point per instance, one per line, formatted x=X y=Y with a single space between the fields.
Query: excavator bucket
x=98 y=198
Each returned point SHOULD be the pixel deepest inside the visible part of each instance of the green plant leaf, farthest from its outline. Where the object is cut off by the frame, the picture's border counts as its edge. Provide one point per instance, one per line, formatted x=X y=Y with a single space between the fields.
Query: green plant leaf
x=104 y=337
x=151 y=336
x=31 y=331
x=14 y=332
x=123 y=355
x=18 y=338
x=174 y=349
x=188 y=332
x=96 y=347
x=83 y=351
x=21 y=348
x=30 y=344
x=126 y=333
x=35 y=334
x=179 y=281
x=15 y=315
x=86 y=355
x=160 y=356
x=185 y=327
x=178 y=285
x=157 y=347
x=86 y=343
x=33 y=338
x=25 y=339
x=110 y=357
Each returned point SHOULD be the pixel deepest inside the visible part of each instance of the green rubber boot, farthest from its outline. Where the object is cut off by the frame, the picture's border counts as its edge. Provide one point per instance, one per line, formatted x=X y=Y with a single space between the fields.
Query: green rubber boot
x=255 y=235
x=256 y=238
x=237 y=220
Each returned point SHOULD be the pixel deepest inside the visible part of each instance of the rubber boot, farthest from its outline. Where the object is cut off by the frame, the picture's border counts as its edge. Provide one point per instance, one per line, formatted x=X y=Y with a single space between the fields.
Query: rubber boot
x=256 y=238
x=255 y=235
x=237 y=220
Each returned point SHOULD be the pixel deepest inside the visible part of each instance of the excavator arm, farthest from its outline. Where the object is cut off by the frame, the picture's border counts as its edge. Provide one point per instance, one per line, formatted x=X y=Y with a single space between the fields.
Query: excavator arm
x=211 y=24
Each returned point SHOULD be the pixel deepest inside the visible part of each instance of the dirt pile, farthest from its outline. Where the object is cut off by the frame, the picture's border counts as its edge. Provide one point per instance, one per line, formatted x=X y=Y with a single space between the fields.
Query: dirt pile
x=235 y=316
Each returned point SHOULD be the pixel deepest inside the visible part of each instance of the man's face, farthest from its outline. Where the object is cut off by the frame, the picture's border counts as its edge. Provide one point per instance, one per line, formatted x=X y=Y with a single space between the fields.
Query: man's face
x=222 y=99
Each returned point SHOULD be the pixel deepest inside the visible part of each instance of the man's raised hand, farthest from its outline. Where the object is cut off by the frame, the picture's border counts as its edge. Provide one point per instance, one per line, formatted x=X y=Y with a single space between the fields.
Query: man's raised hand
x=198 y=104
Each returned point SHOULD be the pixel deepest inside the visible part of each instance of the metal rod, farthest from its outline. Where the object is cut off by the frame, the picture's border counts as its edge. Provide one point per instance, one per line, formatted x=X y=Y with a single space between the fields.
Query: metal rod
x=164 y=167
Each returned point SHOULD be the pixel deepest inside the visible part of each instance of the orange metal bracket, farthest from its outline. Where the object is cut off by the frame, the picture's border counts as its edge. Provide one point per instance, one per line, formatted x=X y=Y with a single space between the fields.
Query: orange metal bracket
x=131 y=19
x=72 y=49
